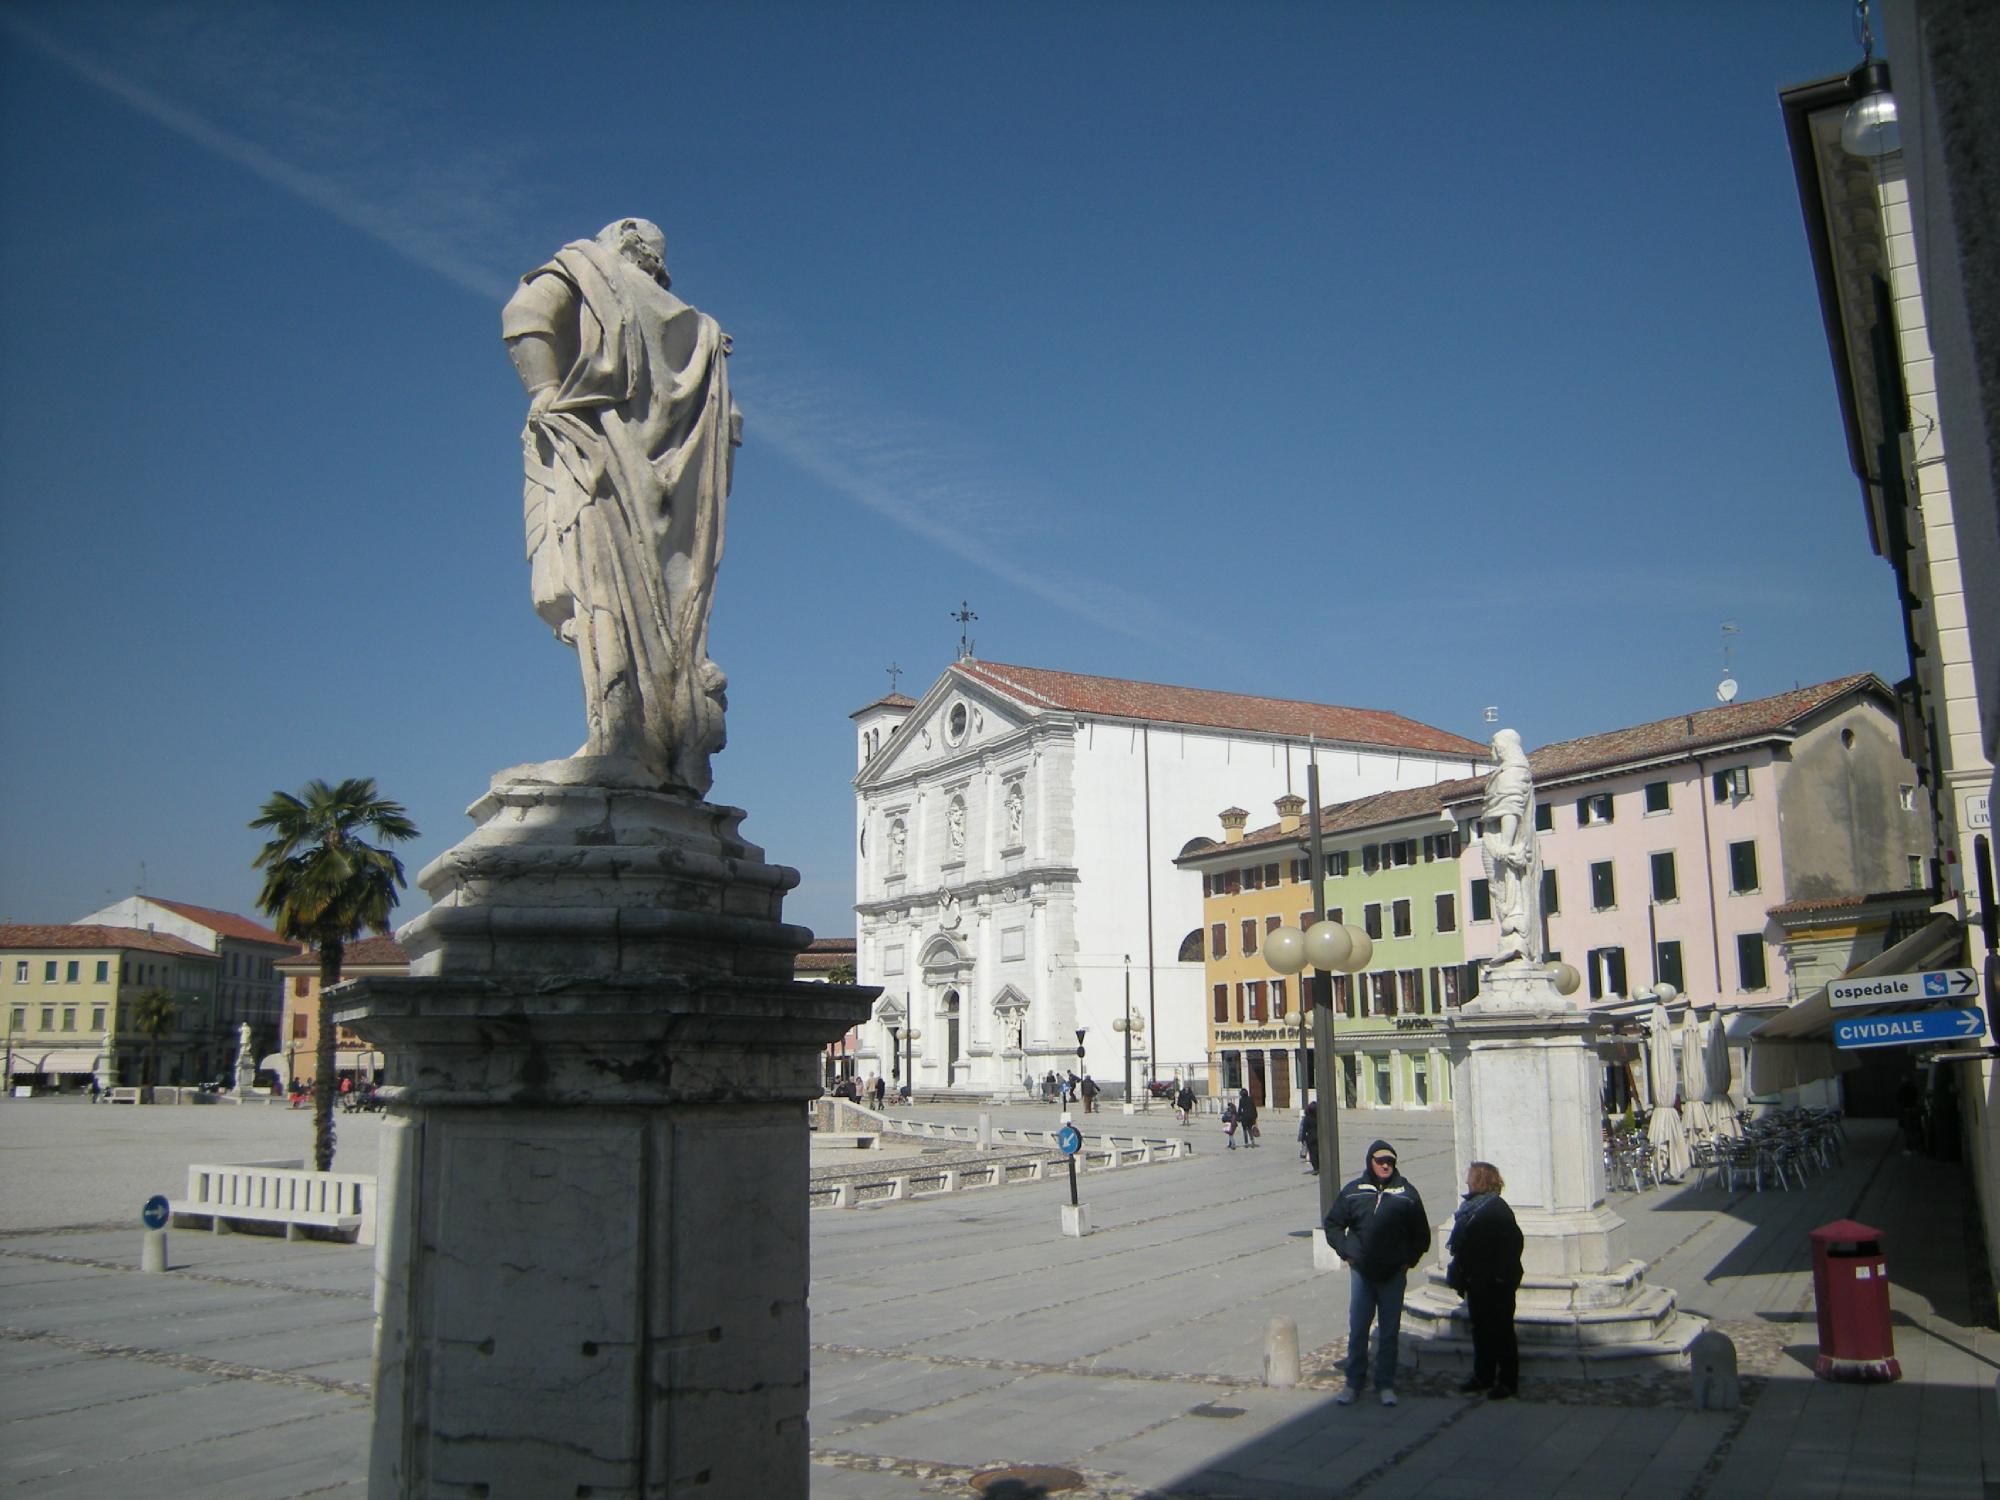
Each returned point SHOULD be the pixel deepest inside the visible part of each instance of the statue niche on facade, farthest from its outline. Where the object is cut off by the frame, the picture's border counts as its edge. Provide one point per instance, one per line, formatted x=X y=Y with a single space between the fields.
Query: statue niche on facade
x=627 y=455
x=1511 y=852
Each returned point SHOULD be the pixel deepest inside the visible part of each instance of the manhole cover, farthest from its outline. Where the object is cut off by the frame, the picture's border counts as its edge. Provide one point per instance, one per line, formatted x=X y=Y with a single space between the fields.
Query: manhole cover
x=1025 y=1481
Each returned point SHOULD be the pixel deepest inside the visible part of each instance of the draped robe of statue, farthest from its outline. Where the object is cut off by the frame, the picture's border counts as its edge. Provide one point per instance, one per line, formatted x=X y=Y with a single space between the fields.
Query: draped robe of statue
x=1511 y=852
x=627 y=469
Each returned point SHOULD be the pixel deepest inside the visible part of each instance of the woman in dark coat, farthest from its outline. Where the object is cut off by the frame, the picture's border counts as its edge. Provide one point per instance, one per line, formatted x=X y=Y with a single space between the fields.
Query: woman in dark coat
x=1485 y=1269
x=1246 y=1111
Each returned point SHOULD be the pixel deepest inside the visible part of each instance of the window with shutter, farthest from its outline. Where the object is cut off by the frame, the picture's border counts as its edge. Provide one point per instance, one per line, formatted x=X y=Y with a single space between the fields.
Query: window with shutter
x=1743 y=866
x=1371 y=920
x=1447 y=913
x=1551 y=897
x=1399 y=914
x=1750 y=961
x=1218 y=940
x=1249 y=936
x=1222 y=1002
x=1603 y=889
x=1666 y=878
x=1481 y=901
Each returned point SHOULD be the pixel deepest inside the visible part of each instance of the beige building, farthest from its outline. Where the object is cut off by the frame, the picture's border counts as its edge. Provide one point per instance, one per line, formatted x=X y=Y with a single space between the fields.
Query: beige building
x=296 y=1059
x=66 y=994
x=246 y=983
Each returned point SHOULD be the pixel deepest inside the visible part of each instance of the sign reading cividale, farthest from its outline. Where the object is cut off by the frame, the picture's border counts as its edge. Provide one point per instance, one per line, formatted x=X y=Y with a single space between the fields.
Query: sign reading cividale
x=1903 y=1028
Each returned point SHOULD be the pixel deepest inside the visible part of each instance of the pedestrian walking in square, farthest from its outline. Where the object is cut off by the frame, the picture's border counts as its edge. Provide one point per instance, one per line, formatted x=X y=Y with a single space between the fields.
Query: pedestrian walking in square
x=1378 y=1226
x=1246 y=1115
x=1309 y=1134
x=1485 y=1269
x=1184 y=1103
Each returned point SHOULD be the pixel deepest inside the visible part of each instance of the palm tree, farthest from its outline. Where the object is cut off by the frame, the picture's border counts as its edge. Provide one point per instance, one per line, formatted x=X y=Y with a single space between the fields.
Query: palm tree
x=153 y=1016
x=324 y=886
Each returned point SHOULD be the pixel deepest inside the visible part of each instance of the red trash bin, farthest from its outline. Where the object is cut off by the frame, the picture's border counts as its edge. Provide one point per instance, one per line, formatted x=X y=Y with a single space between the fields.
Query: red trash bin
x=1851 y=1292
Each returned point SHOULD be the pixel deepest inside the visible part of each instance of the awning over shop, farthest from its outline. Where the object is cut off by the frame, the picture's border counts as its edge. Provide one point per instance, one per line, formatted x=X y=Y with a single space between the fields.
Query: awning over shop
x=1796 y=1046
x=58 y=1060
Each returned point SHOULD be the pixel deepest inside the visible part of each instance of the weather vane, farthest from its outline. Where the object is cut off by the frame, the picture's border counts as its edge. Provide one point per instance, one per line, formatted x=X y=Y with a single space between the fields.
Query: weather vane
x=964 y=615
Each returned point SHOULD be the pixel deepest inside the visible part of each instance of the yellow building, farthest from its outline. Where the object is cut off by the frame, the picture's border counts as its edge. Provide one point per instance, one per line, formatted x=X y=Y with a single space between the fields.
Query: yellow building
x=66 y=996
x=296 y=1060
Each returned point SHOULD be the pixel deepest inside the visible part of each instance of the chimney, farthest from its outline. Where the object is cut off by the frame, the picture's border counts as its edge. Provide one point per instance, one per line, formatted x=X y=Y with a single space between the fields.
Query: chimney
x=1290 y=807
x=1233 y=819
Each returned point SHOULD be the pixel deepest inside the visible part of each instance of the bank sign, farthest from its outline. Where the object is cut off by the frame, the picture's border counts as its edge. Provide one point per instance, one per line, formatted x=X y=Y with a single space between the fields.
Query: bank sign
x=1908 y=1028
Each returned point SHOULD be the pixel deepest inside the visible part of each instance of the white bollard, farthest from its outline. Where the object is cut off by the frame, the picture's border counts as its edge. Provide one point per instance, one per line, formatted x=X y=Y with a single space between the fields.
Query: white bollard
x=153 y=1253
x=1281 y=1353
x=986 y=1132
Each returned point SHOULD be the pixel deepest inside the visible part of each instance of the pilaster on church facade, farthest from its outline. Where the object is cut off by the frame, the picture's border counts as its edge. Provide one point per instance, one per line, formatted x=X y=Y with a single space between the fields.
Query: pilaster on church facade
x=1015 y=833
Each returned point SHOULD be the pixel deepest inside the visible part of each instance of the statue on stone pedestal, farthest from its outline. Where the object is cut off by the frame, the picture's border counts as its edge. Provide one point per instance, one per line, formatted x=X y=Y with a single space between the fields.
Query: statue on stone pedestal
x=1511 y=853
x=628 y=454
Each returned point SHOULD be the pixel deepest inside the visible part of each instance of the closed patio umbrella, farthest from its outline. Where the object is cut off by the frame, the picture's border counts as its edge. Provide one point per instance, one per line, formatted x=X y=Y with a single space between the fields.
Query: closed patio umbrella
x=1668 y=1135
x=1719 y=1077
x=1698 y=1115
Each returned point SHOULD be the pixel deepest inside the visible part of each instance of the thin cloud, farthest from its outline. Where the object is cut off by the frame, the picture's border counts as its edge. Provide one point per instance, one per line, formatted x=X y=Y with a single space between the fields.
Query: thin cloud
x=910 y=473
x=394 y=226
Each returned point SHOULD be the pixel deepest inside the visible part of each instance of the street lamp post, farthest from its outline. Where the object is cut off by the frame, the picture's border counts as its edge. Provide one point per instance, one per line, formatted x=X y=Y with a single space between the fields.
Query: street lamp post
x=895 y=1054
x=1129 y=1023
x=910 y=1035
x=1326 y=946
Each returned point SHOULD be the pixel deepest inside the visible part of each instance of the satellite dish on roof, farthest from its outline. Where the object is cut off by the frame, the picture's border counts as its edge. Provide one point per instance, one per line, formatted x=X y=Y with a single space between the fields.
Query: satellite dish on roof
x=1725 y=690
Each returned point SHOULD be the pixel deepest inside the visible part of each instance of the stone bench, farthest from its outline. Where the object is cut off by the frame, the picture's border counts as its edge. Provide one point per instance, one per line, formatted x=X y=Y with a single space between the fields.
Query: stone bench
x=257 y=1193
x=125 y=1096
x=848 y=1142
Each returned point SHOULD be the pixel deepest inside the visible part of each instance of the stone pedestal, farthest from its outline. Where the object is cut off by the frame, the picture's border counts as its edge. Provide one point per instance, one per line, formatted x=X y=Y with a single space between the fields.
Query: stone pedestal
x=1525 y=1090
x=591 y=1276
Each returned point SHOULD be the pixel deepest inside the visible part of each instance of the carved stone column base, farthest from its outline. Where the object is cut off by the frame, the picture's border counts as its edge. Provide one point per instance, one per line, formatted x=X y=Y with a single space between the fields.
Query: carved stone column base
x=591 y=1270
x=1526 y=1084
x=576 y=868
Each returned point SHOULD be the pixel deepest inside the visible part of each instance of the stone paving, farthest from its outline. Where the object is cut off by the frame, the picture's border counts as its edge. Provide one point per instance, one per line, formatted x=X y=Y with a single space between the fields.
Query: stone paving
x=963 y=1334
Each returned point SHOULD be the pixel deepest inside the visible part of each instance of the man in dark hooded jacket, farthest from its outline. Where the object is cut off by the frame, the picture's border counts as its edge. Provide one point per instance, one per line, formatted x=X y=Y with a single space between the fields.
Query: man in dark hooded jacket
x=1379 y=1228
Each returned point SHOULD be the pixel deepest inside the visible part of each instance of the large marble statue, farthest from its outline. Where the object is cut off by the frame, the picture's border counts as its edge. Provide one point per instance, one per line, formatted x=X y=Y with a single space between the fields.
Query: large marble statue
x=628 y=453
x=1509 y=848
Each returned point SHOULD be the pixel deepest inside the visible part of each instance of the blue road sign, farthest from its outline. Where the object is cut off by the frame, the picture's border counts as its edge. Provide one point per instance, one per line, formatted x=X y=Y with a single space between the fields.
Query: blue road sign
x=1905 y=1028
x=1070 y=1140
x=155 y=1212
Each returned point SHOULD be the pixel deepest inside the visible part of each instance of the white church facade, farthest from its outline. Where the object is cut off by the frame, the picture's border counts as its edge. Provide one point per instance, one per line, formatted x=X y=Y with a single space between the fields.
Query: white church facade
x=1016 y=830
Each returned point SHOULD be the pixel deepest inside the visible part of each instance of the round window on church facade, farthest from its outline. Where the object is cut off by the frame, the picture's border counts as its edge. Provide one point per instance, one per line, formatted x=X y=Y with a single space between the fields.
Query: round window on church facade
x=956 y=722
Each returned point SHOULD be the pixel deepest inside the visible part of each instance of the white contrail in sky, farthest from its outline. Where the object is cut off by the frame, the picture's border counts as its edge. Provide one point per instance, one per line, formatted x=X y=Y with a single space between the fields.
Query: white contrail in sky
x=900 y=468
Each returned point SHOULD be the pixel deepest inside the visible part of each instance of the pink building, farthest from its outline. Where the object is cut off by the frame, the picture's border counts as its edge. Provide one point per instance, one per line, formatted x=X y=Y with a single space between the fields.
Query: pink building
x=1665 y=846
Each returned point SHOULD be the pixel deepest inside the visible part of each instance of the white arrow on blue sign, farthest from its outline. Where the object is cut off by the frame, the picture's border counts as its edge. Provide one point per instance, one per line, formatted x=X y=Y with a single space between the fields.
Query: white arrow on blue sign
x=1903 y=1028
x=1903 y=989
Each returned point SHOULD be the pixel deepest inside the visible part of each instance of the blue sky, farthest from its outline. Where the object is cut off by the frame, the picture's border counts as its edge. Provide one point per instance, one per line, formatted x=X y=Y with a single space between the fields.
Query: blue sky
x=1421 y=357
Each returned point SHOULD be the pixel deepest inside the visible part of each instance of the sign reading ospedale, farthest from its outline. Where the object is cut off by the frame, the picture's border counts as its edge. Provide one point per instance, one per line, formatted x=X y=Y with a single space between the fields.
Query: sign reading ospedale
x=1899 y=989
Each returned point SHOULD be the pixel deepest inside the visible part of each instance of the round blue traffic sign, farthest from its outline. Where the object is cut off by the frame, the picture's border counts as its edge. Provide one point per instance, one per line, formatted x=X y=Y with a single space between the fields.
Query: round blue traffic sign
x=1070 y=1140
x=155 y=1212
